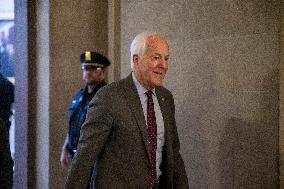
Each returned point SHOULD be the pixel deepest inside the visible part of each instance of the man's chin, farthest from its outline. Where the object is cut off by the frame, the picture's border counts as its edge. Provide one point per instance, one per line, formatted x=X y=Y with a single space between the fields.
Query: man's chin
x=160 y=82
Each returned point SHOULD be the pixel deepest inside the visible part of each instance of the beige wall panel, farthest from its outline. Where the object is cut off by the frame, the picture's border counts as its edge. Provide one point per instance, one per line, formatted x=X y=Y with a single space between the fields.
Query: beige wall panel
x=223 y=73
x=281 y=97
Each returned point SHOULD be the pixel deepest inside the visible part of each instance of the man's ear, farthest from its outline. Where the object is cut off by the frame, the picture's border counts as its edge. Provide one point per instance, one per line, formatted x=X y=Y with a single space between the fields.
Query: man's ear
x=135 y=58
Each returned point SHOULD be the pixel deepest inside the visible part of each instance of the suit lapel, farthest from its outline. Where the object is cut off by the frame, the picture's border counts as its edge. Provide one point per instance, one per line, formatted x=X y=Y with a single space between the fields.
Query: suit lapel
x=133 y=99
x=164 y=106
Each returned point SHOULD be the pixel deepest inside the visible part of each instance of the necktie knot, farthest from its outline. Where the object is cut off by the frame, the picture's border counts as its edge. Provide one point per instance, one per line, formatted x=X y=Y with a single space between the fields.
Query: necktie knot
x=149 y=94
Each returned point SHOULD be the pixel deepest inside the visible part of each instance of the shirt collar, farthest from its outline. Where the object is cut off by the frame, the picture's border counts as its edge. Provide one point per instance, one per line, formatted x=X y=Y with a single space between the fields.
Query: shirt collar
x=141 y=90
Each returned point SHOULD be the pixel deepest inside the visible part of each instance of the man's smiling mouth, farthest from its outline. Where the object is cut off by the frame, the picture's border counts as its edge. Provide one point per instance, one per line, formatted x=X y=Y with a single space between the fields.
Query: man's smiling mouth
x=159 y=73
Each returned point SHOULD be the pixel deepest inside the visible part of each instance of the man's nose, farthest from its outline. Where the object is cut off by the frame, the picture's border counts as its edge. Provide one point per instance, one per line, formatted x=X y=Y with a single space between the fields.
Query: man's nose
x=164 y=63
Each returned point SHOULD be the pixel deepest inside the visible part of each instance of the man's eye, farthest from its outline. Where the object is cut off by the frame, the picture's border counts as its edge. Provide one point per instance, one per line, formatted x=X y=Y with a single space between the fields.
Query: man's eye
x=156 y=57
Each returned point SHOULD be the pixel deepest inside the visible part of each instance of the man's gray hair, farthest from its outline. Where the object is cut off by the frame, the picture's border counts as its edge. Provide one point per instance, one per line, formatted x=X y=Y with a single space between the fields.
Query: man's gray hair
x=138 y=45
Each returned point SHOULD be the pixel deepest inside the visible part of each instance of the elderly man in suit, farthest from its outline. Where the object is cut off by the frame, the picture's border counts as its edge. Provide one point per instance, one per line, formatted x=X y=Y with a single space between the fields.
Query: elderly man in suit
x=130 y=130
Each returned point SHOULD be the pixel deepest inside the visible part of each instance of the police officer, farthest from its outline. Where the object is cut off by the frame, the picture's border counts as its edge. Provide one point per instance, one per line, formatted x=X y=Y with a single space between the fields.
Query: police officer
x=6 y=100
x=94 y=67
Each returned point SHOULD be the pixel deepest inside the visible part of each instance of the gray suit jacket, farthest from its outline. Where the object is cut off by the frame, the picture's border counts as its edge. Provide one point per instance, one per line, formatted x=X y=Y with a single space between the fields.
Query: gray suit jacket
x=114 y=136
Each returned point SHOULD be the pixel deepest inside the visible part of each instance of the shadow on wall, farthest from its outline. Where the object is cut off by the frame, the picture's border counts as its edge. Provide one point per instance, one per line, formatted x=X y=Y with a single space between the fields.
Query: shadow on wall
x=248 y=155
x=198 y=163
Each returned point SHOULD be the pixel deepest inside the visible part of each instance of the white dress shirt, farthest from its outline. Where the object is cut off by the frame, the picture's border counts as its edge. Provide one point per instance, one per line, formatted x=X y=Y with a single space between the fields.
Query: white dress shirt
x=159 y=120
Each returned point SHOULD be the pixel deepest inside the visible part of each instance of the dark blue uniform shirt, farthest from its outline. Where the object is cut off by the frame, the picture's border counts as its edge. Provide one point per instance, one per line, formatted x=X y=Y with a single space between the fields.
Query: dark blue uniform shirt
x=77 y=115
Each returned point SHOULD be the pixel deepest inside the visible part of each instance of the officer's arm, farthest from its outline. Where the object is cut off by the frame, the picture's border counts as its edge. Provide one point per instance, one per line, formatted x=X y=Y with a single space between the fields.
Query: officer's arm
x=65 y=158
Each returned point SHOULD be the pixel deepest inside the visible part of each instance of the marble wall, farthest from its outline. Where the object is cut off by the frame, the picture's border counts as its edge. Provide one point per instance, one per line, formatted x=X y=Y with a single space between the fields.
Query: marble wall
x=223 y=73
x=281 y=98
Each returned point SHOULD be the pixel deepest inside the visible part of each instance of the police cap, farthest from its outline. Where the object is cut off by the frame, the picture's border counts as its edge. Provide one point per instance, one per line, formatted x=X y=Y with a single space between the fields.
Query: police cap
x=93 y=59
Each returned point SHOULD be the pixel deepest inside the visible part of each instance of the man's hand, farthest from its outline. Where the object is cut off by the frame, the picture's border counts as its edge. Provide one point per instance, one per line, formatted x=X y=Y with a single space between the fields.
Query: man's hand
x=65 y=158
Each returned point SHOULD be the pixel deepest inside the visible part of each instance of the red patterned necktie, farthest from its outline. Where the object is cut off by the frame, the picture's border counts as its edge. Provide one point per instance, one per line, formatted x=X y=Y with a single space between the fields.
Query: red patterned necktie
x=152 y=138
